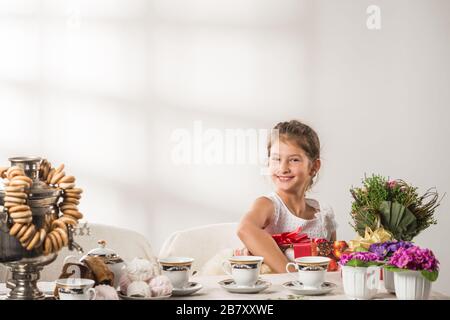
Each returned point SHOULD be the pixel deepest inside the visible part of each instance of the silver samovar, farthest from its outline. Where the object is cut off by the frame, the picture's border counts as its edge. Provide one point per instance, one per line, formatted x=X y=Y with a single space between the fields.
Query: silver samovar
x=25 y=266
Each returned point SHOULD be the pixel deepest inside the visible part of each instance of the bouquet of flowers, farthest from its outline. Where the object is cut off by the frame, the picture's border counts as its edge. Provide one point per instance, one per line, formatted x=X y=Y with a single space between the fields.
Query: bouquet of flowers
x=393 y=204
x=385 y=250
x=360 y=259
x=415 y=258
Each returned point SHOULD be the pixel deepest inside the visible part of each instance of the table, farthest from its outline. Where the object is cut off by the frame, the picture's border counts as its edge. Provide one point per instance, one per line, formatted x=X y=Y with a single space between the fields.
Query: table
x=212 y=291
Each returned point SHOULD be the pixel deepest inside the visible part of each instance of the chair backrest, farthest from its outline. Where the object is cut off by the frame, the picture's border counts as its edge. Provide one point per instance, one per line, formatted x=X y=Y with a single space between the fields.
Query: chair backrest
x=126 y=243
x=201 y=243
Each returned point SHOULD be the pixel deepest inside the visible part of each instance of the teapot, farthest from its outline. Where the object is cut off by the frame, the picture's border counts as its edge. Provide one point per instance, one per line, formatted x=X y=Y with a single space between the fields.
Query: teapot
x=109 y=257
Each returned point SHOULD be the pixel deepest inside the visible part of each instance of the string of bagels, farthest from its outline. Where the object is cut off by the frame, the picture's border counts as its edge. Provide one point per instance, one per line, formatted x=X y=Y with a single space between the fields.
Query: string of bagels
x=53 y=236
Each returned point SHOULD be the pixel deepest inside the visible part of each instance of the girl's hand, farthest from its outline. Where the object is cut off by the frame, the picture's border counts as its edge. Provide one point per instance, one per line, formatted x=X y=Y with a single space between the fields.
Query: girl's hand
x=242 y=252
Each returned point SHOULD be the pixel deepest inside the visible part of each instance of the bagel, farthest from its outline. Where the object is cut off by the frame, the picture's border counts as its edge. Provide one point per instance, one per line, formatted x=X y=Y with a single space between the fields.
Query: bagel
x=15 y=229
x=67 y=179
x=3 y=171
x=69 y=220
x=58 y=223
x=21 y=214
x=65 y=186
x=50 y=176
x=23 y=178
x=57 y=176
x=21 y=195
x=18 y=183
x=16 y=171
x=55 y=242
x=13 y=168
x=33 y=241
x=64 y=235
x=26 y=221
x=69 y=206
x=15 y=189
x=47 y=246
x=74 y=190
x=10 y=205
x=60 y=168
x=76 y=214
x=22 y=231
x=19 y=208
x=15 y=200
x=70 y=200
x=28 y=233
x=74 y=196
x=42 y=236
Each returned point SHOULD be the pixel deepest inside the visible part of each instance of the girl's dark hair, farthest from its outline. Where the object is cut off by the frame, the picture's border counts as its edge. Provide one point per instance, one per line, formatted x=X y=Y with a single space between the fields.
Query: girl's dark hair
x=303 y=135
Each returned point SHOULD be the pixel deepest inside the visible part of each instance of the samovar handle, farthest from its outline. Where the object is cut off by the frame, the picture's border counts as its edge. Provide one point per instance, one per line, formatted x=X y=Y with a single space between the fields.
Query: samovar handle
x=72 y=244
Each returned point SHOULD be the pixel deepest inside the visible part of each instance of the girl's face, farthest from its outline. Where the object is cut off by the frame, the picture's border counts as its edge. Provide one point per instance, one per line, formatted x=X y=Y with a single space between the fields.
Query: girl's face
x=290 y=168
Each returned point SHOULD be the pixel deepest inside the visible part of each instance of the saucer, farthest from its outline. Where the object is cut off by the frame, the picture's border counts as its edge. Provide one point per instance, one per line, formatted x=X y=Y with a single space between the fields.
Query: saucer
x=125 y=297
x=296 y=287
x=232 y=287
x=189 y=289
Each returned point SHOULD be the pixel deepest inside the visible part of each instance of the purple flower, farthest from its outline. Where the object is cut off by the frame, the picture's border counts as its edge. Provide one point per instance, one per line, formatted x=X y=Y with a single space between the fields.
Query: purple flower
x=414 y=258
x=386 y=249
x=363 y=256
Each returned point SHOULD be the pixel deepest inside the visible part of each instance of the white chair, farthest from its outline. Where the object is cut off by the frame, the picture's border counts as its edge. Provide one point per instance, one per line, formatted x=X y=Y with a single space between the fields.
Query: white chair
x=126 y=243
x=201 y=243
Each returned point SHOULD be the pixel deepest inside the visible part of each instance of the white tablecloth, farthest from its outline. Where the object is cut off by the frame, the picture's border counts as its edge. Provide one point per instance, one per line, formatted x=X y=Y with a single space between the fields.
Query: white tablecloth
x=212 y=291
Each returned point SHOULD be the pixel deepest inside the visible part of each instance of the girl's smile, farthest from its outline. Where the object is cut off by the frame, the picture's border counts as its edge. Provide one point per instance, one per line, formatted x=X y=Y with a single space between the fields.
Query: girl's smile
x=285 y=178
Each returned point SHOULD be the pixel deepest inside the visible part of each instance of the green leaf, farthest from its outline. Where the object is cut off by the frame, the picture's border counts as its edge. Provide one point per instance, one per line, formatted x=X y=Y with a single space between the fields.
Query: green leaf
x=374 y=263
x=397 y=219
x=355 y=263
x=361 y=249
x=362 y=264
x=430 y=275
x=394 y=269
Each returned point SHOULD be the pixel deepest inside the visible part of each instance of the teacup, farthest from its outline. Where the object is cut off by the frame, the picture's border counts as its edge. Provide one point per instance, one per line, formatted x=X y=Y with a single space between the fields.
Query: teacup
x=244 y=269
x=311 y=270
x=75 y=289
x=177 y=269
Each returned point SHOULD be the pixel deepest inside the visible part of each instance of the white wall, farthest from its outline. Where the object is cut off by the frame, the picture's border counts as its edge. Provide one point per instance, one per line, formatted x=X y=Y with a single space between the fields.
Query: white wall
x=101 y=85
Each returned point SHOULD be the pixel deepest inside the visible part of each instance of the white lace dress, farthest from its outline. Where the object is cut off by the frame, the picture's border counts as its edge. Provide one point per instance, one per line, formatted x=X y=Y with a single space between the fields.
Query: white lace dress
x=283 y=220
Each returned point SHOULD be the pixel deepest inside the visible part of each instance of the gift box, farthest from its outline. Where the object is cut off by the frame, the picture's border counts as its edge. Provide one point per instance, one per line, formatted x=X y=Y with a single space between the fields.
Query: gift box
x=294 y=244
x=286 y=239
x=304 y=246
x=302 y=249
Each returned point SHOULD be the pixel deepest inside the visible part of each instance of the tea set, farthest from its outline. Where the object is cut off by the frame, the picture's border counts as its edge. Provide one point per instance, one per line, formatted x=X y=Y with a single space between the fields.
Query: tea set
x=244 y=272
x=311 y=273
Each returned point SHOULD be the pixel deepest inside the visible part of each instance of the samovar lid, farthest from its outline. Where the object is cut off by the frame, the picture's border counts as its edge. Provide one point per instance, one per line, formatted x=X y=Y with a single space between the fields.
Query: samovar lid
x=38 y=189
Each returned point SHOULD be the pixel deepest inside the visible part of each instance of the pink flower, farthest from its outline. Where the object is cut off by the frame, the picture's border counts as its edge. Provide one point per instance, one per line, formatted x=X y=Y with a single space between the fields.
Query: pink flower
x=363 y=256
x=414 y=258
x=391 y=184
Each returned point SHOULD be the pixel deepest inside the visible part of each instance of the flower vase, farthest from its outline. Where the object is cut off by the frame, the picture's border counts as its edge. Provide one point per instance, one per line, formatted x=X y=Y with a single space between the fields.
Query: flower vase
x=360 y=283
x=388 y=279
x=411 y=285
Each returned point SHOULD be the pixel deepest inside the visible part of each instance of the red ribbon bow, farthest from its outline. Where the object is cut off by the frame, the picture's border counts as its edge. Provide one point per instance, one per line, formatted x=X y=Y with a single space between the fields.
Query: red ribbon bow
x=291 y=237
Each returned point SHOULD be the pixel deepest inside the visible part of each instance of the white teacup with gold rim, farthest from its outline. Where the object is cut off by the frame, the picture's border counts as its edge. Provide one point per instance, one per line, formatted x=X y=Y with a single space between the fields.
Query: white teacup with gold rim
x=311 y=270
x=244 y=269
x=75 y=289
x=177 y=269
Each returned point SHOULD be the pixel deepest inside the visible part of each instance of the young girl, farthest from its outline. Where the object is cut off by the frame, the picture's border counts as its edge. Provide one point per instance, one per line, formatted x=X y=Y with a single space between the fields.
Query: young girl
x=294 y=161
